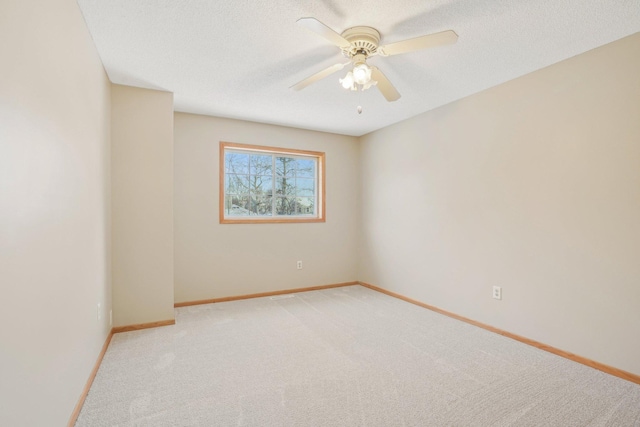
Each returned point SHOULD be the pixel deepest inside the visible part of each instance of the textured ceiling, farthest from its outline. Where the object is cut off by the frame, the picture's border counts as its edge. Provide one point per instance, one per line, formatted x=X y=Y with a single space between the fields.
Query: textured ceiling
x=238 y=58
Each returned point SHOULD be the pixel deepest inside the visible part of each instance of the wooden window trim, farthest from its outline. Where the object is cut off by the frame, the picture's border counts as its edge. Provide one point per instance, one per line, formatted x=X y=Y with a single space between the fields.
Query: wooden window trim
x=321 y=196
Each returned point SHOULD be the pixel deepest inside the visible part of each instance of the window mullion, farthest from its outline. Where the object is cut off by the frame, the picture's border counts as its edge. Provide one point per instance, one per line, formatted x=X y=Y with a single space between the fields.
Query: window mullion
x=273 y=185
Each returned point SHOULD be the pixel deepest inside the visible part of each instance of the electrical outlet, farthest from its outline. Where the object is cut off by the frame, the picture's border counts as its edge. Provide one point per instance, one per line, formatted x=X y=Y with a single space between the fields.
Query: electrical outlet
x=99 y=312
x=497 y=292
x=299 y=265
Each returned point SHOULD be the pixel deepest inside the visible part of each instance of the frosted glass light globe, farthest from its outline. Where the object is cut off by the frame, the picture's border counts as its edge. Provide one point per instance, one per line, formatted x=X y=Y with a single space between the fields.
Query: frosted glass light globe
x=361 y=73
x=347 y=82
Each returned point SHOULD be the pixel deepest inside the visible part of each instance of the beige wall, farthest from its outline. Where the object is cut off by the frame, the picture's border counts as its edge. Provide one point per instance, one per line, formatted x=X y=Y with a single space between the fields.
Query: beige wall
x=533 y=186
x=54 y=210
x=216 y=260
x=142 y=205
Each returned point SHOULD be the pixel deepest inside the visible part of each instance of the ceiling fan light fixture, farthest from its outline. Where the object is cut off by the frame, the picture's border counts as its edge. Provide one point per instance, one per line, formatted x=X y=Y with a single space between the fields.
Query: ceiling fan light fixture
x=361 y=73
x=348 y=82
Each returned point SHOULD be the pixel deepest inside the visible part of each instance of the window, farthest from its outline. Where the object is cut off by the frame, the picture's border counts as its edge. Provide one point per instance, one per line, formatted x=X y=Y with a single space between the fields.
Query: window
x=266 y=184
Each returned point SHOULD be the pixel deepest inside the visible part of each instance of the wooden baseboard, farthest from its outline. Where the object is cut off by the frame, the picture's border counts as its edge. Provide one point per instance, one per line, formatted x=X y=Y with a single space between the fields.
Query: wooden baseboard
x=263 y=294
x=139 y=326
x=92 y=376
x=567 y=355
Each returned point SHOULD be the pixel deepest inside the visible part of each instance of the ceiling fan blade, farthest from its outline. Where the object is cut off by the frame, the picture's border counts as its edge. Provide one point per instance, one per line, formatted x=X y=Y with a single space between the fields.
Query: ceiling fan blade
x=319 y=28
x=432 y=40
x=318 y=76
x=384 y=85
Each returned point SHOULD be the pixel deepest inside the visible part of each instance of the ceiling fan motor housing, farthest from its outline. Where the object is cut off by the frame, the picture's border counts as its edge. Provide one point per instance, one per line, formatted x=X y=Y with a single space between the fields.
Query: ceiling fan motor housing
x=364 y=40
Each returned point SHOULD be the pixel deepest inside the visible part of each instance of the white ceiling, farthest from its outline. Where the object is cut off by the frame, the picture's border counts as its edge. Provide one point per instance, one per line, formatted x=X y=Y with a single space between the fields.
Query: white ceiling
x=238 y=58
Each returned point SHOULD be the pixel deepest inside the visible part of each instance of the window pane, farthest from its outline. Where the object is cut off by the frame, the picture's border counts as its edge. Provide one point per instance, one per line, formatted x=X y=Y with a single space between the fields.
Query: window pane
x=306 y=168
x=285 y=186
x=261 y=185
x=237 y=205
x=285 y=166
x=261 y=205
x=305 y=206
x=236 y=163
x=260 y=164
x=305 y=187
x=285 y=206
x=236 y=184
x=227 y=205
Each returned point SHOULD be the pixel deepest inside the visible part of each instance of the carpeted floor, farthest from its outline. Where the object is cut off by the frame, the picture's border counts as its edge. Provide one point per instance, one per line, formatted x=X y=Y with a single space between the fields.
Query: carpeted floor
x=342 y=357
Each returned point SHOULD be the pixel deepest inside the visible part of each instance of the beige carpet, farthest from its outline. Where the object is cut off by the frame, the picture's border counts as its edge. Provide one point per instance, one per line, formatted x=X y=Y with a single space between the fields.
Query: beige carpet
x=342 y=357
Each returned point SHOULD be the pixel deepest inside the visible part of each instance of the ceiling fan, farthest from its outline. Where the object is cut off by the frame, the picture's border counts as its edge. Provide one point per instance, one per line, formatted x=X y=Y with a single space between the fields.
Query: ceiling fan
x=360 y=43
